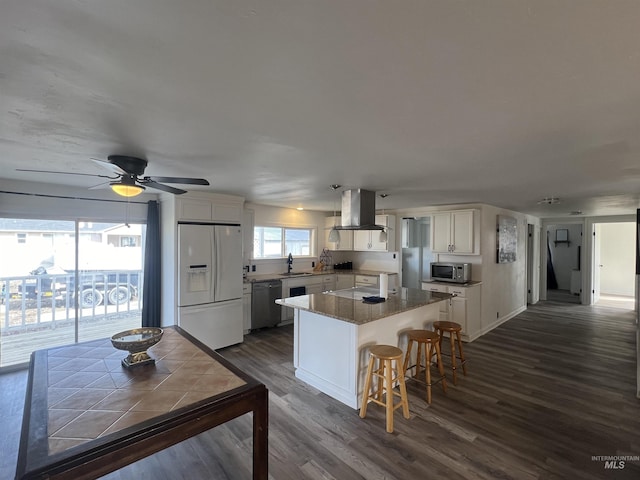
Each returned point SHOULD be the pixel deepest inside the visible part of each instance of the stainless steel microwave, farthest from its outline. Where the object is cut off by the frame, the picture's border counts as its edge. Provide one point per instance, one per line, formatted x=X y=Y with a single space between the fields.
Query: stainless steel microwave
x=451 y=272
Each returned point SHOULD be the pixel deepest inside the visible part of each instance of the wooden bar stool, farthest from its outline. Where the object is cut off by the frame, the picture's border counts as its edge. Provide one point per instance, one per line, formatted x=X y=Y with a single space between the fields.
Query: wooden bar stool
x=454 y=330
x=386 y=377
x=430 y=340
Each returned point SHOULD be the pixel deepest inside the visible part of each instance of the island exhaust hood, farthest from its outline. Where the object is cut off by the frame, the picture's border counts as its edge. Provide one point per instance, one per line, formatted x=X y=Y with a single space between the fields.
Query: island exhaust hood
x=358 y=210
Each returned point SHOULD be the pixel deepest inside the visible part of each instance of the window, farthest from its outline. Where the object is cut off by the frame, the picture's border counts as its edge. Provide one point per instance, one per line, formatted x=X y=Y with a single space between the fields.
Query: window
x=278 y=242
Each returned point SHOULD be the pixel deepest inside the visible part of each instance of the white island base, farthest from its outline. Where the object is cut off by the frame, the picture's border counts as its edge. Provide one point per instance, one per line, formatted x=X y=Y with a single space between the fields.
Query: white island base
x=332 y=355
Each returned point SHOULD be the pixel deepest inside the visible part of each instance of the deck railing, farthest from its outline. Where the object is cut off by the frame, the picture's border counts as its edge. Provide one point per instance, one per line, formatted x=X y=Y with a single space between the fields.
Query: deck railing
x=49 y=301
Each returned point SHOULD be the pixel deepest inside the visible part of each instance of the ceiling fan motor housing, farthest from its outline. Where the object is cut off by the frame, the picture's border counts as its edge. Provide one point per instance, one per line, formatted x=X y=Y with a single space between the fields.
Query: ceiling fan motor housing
x=131 y=165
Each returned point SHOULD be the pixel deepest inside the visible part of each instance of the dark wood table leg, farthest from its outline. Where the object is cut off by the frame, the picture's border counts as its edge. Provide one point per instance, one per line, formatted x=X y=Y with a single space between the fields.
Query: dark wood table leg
x=261 y=436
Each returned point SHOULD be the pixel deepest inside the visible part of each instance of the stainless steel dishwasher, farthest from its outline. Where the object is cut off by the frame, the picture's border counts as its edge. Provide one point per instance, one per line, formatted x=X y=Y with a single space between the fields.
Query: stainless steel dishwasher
x=264 y=311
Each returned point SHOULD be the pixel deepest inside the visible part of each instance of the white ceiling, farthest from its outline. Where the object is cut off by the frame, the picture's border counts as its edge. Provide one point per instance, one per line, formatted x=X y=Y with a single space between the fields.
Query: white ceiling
x=432 y=102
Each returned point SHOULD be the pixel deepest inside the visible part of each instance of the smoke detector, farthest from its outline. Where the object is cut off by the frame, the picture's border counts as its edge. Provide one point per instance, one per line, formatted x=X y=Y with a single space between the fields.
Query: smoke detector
x=549 y=201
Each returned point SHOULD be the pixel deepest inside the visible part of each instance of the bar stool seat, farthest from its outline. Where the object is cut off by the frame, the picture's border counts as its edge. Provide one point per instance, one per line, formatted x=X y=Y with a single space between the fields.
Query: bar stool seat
x=453 y=329
x=430 y=340
x=386 y=377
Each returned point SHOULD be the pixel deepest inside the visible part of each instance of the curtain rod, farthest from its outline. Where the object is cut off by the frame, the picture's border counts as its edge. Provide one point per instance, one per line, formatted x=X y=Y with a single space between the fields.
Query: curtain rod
x=71 y=198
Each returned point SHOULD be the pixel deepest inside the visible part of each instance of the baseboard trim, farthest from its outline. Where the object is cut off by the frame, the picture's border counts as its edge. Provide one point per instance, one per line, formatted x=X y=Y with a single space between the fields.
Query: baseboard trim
x=503 y=319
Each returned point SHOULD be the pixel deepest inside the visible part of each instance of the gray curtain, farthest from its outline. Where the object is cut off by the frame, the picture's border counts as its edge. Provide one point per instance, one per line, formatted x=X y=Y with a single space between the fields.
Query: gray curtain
x=151 y=296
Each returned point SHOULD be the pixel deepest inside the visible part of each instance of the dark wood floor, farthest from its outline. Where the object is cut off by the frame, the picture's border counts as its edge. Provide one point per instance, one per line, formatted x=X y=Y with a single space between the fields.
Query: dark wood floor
x=546 y=391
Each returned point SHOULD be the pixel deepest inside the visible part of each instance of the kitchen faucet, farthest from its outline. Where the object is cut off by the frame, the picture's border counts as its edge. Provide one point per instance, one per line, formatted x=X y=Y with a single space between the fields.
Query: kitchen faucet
x=289 y=263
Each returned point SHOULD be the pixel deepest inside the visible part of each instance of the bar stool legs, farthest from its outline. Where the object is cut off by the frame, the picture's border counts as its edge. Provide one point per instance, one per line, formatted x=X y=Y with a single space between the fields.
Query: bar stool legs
x=430 y=340
x=454 y=330
x=384 y=373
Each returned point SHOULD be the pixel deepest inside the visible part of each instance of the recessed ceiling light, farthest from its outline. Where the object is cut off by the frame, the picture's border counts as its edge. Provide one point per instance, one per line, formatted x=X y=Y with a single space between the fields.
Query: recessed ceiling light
x=549 y=201
x=299 y=208
x=576 y=212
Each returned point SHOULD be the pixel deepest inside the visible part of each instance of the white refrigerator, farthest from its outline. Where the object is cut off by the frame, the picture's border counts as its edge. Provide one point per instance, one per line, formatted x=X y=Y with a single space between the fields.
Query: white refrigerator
x=210 y=283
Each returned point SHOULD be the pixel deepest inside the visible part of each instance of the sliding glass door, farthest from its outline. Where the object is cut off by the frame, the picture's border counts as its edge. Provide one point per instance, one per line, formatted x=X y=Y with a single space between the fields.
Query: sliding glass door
x=64 y=282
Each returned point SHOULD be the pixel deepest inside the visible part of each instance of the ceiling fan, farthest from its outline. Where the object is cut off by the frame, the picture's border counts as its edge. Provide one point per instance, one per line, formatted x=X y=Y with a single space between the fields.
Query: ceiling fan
x=127 y=179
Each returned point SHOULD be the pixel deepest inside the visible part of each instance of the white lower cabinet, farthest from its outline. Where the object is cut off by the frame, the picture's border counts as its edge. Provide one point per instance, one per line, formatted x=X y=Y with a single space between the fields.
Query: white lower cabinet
x=328 y=282
x=366 y=281
x=246 y=307
x=462 y=308
x=344 y=280
x=311 y=284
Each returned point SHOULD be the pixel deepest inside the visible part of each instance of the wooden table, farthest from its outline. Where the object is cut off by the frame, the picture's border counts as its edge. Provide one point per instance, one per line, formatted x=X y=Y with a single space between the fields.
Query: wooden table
x=86 y=415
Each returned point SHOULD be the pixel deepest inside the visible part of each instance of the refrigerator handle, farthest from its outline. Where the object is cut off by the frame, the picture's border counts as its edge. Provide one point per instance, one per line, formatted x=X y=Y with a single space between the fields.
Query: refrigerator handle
x=215 y=275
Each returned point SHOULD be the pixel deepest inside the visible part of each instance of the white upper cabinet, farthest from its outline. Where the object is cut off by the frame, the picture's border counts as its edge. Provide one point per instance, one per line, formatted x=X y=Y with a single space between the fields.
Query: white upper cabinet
x=452 y=232
x=369 y=240
x=346 y=236
x=209 y=208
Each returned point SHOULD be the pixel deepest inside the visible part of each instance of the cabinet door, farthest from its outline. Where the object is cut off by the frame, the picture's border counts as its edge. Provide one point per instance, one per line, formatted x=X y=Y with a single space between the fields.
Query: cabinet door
x=346 y=236
x=246 y=311
x=441 y=232
x=376 y=244
x=344 y=280
x=315 y=288
x=459 y=312
x=361 y=240
x=328 y=283
x=346 y=240
x=462 y=231
x=444 y=306
x=194 y=209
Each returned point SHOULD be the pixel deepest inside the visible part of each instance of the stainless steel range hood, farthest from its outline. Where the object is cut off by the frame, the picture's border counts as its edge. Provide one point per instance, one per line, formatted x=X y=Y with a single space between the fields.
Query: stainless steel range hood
x=359 y=210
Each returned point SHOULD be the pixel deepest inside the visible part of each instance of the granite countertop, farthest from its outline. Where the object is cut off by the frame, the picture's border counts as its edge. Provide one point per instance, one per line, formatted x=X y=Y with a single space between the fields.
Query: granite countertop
x=347 y=305
x=283 y=276
x=453 y=284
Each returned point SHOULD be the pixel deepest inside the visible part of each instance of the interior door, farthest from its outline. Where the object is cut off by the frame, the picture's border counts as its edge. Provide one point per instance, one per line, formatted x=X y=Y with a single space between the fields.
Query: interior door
x=596 y=262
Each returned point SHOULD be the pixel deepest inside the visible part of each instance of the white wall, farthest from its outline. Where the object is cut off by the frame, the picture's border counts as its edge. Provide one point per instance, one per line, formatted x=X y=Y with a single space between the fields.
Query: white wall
x=618 y=258
x=503 y=284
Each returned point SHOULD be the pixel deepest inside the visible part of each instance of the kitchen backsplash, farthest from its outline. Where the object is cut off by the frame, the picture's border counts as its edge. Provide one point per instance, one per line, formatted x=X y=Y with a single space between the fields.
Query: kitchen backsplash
x=379 y=261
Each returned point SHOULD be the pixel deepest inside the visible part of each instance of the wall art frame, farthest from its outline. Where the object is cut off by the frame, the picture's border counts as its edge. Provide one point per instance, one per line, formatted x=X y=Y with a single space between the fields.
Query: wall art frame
x=506 y=239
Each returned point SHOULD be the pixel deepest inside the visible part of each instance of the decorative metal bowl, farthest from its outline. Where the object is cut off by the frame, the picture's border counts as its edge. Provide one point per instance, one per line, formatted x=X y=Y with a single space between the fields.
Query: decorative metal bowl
x=136 y=342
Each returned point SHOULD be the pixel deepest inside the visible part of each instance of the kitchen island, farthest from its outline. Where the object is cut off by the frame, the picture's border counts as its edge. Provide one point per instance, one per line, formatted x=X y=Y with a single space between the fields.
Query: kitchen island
x=333 y=332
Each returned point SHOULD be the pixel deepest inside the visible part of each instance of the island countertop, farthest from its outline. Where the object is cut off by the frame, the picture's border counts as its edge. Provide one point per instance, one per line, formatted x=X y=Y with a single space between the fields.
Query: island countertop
x=347 y=305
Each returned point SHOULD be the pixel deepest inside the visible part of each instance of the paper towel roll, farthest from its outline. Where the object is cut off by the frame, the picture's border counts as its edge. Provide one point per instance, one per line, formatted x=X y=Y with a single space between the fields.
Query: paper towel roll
x=384 y=285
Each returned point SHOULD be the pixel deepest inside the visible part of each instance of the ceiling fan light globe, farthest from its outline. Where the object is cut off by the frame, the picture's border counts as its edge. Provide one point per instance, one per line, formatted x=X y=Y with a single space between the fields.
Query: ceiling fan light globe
x=126 y=190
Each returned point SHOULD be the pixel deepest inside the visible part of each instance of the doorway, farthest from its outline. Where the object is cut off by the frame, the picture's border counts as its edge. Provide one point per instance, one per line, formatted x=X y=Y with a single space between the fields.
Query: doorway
x=614 y=249
x=564 y=263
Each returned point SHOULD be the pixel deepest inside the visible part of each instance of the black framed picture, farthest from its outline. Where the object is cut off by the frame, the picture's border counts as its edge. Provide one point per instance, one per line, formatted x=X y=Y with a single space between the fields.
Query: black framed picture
x=506 y=239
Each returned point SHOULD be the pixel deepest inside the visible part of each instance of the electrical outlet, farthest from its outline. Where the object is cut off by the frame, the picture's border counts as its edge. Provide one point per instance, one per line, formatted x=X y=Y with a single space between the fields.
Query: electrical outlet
x=253 y=268
x=394 y=256
x=497 y=314
x=313 y=264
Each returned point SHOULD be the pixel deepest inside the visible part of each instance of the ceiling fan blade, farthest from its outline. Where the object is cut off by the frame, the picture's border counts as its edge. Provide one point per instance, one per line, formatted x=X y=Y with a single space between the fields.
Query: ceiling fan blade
x=110 y=166
x=186 y=181
x=65 y=173
x=160 y=186
x=100 y=186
